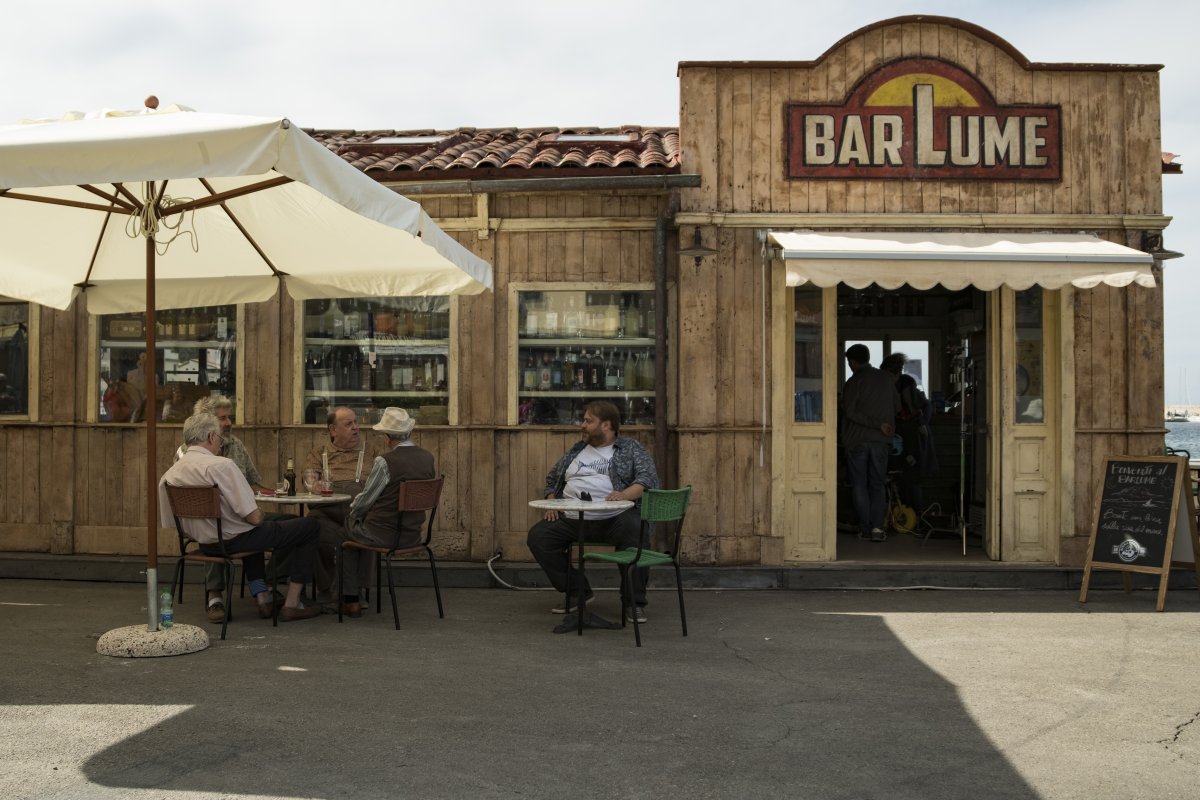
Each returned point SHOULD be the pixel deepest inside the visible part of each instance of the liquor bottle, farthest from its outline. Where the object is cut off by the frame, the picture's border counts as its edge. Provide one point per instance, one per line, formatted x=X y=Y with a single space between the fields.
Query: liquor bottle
x=556 y=370
x=429 y=384
x=632 y=316
x=648 y=319
x=581 y=370
x=289 y=475
x=631 y=377
x=364 y=370
x=351 y=325
x=612 y=372
x=596 y=370
x=550 y=325
x=439 y=376
x=646 y=375
x=545 y=372
x=532 y=319
x=529 y=377
x=572 y=320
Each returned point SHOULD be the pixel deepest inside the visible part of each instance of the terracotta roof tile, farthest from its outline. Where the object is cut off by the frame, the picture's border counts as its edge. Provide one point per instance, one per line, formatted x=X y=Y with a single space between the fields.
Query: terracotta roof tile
x=504 y=152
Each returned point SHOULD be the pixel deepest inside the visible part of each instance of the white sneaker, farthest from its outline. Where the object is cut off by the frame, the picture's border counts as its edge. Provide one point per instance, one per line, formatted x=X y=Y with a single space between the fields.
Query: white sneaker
x=641 y=615
x=569 y=609
x=878 y=535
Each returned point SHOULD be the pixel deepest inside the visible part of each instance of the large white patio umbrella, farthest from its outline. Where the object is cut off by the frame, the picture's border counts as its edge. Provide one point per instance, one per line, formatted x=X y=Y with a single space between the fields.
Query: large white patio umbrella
x=175 y=208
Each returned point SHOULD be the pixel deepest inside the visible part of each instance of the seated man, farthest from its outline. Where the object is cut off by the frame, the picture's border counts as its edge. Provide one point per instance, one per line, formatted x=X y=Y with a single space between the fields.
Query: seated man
x=345 y=461
x=242 y=522
x=374 y=517
x=607 y=467
x=232 y=448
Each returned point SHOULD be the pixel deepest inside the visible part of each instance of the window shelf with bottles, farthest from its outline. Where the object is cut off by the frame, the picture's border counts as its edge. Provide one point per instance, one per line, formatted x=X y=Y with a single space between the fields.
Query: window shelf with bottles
x=373 y=353
x=574 y=346
x=196 y=355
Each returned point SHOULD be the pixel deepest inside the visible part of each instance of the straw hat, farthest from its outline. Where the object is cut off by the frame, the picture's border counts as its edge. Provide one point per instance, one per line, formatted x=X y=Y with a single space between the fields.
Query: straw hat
x=396 y=421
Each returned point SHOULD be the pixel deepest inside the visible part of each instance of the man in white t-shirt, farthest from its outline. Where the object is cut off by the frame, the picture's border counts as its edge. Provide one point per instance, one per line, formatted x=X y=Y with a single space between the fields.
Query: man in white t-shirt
x=602 y=466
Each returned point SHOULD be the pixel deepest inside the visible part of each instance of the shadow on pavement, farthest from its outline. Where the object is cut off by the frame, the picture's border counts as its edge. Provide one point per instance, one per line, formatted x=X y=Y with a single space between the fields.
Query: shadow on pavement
x=771 y=695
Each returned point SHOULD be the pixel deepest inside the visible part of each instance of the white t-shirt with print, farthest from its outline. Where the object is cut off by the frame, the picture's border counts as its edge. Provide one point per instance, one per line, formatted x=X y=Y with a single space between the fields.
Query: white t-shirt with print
x=589 y=473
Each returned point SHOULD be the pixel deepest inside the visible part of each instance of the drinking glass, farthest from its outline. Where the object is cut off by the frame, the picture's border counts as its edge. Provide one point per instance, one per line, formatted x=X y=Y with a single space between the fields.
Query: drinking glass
x=311 y=476
x=281 y=488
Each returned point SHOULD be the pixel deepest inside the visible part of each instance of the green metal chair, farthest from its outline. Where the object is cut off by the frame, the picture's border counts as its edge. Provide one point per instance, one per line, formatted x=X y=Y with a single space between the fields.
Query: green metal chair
x=661 y=506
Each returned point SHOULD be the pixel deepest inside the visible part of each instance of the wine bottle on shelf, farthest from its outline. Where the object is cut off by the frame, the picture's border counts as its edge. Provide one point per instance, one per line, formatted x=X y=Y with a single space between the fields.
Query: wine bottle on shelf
x=351 y=325
x=633 y=319
x=572 y=319
x=549 y=322
x=532 y=320
x=646 y=376
x=610 y=321
x=629 y=381
x=612 y=372
x=648 y=319
x=429 y=384
x=439 y=376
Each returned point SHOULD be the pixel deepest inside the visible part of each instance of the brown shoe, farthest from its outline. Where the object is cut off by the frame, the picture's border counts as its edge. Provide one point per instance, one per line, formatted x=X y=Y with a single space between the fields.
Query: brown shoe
x=352 y=610
x=287 y=614
x=265 y=610
x=216 y=612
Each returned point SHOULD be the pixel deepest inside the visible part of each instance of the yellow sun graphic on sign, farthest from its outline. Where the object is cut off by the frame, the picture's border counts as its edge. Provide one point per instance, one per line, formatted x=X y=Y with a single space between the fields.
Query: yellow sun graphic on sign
x=899 y=92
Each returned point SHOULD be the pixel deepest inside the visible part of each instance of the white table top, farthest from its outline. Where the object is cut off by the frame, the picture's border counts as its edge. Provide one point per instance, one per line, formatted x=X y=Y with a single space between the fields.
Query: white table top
x=571 y=504
x=306 y=499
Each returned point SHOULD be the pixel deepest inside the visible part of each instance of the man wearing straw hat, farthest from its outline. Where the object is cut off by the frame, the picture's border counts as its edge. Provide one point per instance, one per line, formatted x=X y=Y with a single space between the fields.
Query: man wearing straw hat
x=374 y=516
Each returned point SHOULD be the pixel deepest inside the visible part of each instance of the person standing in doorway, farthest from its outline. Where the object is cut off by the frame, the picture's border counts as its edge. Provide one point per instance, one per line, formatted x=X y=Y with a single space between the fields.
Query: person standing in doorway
x=870 y=404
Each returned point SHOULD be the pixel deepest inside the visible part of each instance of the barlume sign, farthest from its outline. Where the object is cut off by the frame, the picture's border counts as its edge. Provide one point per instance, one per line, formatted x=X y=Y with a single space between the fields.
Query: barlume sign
x=923 y=118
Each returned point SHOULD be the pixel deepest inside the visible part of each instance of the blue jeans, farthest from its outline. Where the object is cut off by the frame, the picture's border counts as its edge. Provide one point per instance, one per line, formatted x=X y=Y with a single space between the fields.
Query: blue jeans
x=867 y=464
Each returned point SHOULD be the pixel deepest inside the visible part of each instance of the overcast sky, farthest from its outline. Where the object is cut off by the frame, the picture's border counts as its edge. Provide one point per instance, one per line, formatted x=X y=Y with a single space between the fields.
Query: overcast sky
x=395 y=64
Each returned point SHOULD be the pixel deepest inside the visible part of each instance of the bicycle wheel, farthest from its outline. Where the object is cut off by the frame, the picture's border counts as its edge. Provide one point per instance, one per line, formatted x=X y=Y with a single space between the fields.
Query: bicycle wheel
x=902 y=518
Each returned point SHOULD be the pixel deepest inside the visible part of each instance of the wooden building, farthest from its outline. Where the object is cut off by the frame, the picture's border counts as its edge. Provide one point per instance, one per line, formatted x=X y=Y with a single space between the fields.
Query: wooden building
x=686 y=266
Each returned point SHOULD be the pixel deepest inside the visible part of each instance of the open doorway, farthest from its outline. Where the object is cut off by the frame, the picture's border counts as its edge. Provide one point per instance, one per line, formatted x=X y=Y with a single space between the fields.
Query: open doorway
x=937 y=467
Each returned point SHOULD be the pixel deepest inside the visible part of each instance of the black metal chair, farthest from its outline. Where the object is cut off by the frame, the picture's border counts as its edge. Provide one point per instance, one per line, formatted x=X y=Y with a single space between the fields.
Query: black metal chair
x=422 y=496
x=204 y=502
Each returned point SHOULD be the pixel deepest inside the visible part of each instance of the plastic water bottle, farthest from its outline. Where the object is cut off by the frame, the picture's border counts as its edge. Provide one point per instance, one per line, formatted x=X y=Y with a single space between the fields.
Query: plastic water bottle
x=166 y=613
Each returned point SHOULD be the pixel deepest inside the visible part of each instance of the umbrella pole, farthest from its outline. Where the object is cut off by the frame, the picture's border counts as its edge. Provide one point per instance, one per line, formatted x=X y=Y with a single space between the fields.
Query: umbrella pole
x=151 y=444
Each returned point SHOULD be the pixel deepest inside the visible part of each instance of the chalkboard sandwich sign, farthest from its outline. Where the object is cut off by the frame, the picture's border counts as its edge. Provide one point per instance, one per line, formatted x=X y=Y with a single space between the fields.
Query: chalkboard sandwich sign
x=1145 y=521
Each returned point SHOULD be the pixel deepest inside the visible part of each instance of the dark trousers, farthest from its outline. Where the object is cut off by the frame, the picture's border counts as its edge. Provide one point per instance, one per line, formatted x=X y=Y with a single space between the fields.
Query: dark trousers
x=867 y=463
x=214 y=575
x=294 y=539
x=550 y=544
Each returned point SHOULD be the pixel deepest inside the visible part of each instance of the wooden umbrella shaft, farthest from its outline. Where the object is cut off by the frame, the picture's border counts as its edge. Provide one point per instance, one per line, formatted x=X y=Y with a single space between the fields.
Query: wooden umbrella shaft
x=151 y=377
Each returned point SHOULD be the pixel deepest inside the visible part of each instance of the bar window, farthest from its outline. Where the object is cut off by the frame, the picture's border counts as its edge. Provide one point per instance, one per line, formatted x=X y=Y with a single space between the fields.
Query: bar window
x=1029 y=381
x=369 y=354
x=14 y=358
x=575 y=346
x=196 y=355
x=808 y=399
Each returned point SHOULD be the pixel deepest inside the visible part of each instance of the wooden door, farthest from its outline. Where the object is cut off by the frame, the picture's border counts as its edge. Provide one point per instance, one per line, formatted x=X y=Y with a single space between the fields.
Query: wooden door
x=804 y=420
x=1025 y=480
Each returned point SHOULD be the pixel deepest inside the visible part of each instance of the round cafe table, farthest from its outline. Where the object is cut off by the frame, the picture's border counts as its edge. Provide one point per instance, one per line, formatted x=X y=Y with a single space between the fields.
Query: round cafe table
x=582 y=618
x=301 y=499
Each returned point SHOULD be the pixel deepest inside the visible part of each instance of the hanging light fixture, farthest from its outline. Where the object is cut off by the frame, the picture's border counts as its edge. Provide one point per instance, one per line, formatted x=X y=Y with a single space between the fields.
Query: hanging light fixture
x=697 y=251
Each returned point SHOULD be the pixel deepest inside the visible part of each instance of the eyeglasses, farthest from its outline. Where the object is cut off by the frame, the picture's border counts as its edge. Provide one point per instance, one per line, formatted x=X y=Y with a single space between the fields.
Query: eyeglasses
x=220 y=438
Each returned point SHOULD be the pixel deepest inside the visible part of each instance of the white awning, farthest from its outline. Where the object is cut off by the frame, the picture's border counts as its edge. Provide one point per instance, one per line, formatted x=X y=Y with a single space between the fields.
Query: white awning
x=958 y=260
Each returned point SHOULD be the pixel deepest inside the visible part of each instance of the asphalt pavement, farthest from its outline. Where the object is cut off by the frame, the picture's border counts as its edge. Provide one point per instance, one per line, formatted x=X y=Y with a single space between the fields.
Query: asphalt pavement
x=773 y=694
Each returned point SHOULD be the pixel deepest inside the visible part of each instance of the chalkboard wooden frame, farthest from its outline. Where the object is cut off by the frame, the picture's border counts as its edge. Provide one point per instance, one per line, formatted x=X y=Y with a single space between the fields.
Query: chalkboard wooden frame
x=1139 y=526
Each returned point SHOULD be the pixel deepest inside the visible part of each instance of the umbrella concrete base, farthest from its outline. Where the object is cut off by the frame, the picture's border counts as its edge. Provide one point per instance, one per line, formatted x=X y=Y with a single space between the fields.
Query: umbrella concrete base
x=135 y=641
